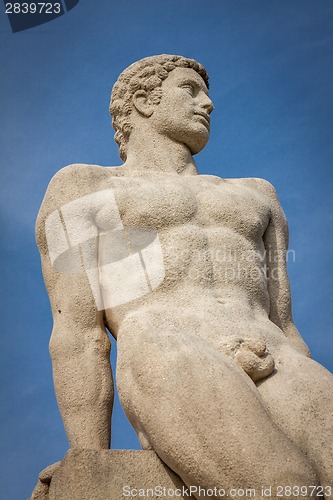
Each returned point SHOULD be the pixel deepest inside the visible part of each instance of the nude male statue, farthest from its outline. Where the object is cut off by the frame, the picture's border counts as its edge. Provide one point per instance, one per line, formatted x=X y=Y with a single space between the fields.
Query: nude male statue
x=188 y=273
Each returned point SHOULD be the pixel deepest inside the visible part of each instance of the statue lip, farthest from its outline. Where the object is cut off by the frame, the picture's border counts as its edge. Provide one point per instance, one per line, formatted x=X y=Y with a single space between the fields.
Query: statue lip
x=204 y=115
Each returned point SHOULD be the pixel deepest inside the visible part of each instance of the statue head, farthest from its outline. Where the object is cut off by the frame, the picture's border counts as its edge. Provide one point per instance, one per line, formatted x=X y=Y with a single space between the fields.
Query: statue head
x=148 y=75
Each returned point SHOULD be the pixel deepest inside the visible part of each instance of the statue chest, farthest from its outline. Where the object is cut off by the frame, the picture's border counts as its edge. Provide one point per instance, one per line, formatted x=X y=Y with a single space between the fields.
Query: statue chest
x=232 y=207
x=159 y=204
x=164 y=204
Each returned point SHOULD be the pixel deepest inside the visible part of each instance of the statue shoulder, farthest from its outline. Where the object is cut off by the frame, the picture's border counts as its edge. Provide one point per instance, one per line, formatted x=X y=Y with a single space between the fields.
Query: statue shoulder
x=75 y=178
x=257 y=183
x=262 y=187
x=266 y=191
x=68 y=184
x=74 y=181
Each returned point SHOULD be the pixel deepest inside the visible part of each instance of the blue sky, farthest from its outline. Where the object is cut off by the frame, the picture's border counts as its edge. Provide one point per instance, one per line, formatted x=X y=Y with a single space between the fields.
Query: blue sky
x=270 y=67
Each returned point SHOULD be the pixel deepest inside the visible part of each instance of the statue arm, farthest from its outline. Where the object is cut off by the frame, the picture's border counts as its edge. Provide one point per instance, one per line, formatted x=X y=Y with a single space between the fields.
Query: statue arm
x=79 y=345
x=276 y=245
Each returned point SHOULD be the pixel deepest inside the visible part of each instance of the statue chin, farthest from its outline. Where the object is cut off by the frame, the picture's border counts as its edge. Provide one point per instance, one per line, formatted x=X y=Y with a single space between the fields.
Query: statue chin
x=197 y=142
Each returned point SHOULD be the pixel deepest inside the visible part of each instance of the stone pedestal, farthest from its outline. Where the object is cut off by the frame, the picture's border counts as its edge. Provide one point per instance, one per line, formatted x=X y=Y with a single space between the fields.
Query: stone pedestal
x=109 y=475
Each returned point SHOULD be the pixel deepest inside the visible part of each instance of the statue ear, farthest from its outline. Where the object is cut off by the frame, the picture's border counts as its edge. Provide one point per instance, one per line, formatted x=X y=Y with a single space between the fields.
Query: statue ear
x=142 y=103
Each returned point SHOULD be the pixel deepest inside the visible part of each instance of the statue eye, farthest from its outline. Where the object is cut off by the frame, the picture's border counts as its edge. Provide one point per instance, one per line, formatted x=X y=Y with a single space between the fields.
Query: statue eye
x=189 y=87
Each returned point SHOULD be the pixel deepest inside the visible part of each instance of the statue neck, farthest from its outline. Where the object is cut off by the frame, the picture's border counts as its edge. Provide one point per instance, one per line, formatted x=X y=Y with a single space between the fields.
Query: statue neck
x=154 y=152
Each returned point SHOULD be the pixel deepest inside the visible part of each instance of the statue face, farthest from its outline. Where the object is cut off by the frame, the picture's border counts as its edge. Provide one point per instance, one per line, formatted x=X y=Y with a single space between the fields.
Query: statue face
x=184 y=109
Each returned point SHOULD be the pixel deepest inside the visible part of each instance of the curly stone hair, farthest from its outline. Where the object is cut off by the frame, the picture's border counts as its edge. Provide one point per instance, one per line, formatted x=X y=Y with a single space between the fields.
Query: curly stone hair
x=146 y=74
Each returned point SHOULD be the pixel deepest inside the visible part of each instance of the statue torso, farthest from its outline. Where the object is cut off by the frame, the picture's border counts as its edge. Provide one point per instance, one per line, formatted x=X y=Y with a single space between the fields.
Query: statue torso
x=206 y=241
x=190 y=247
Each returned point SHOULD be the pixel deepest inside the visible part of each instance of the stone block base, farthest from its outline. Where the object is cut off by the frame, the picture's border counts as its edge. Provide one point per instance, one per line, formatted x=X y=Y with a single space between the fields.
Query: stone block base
x=108 y=475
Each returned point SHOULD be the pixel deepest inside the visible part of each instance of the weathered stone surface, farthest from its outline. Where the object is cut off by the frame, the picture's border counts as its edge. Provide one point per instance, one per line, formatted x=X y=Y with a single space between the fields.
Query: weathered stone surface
x=112 y=475
x=188 y=272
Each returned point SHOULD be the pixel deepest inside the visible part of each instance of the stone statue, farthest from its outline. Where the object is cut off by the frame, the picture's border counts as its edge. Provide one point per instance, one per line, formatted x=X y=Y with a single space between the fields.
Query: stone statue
x=188 y=273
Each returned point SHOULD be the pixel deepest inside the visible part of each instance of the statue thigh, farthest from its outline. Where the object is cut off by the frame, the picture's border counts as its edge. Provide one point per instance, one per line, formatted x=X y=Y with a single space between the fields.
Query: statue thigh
x=299 y=397
x=200 y=412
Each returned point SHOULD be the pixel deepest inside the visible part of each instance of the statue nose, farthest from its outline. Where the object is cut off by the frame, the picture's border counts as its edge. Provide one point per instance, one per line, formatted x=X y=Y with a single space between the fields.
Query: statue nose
x=208 y=105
